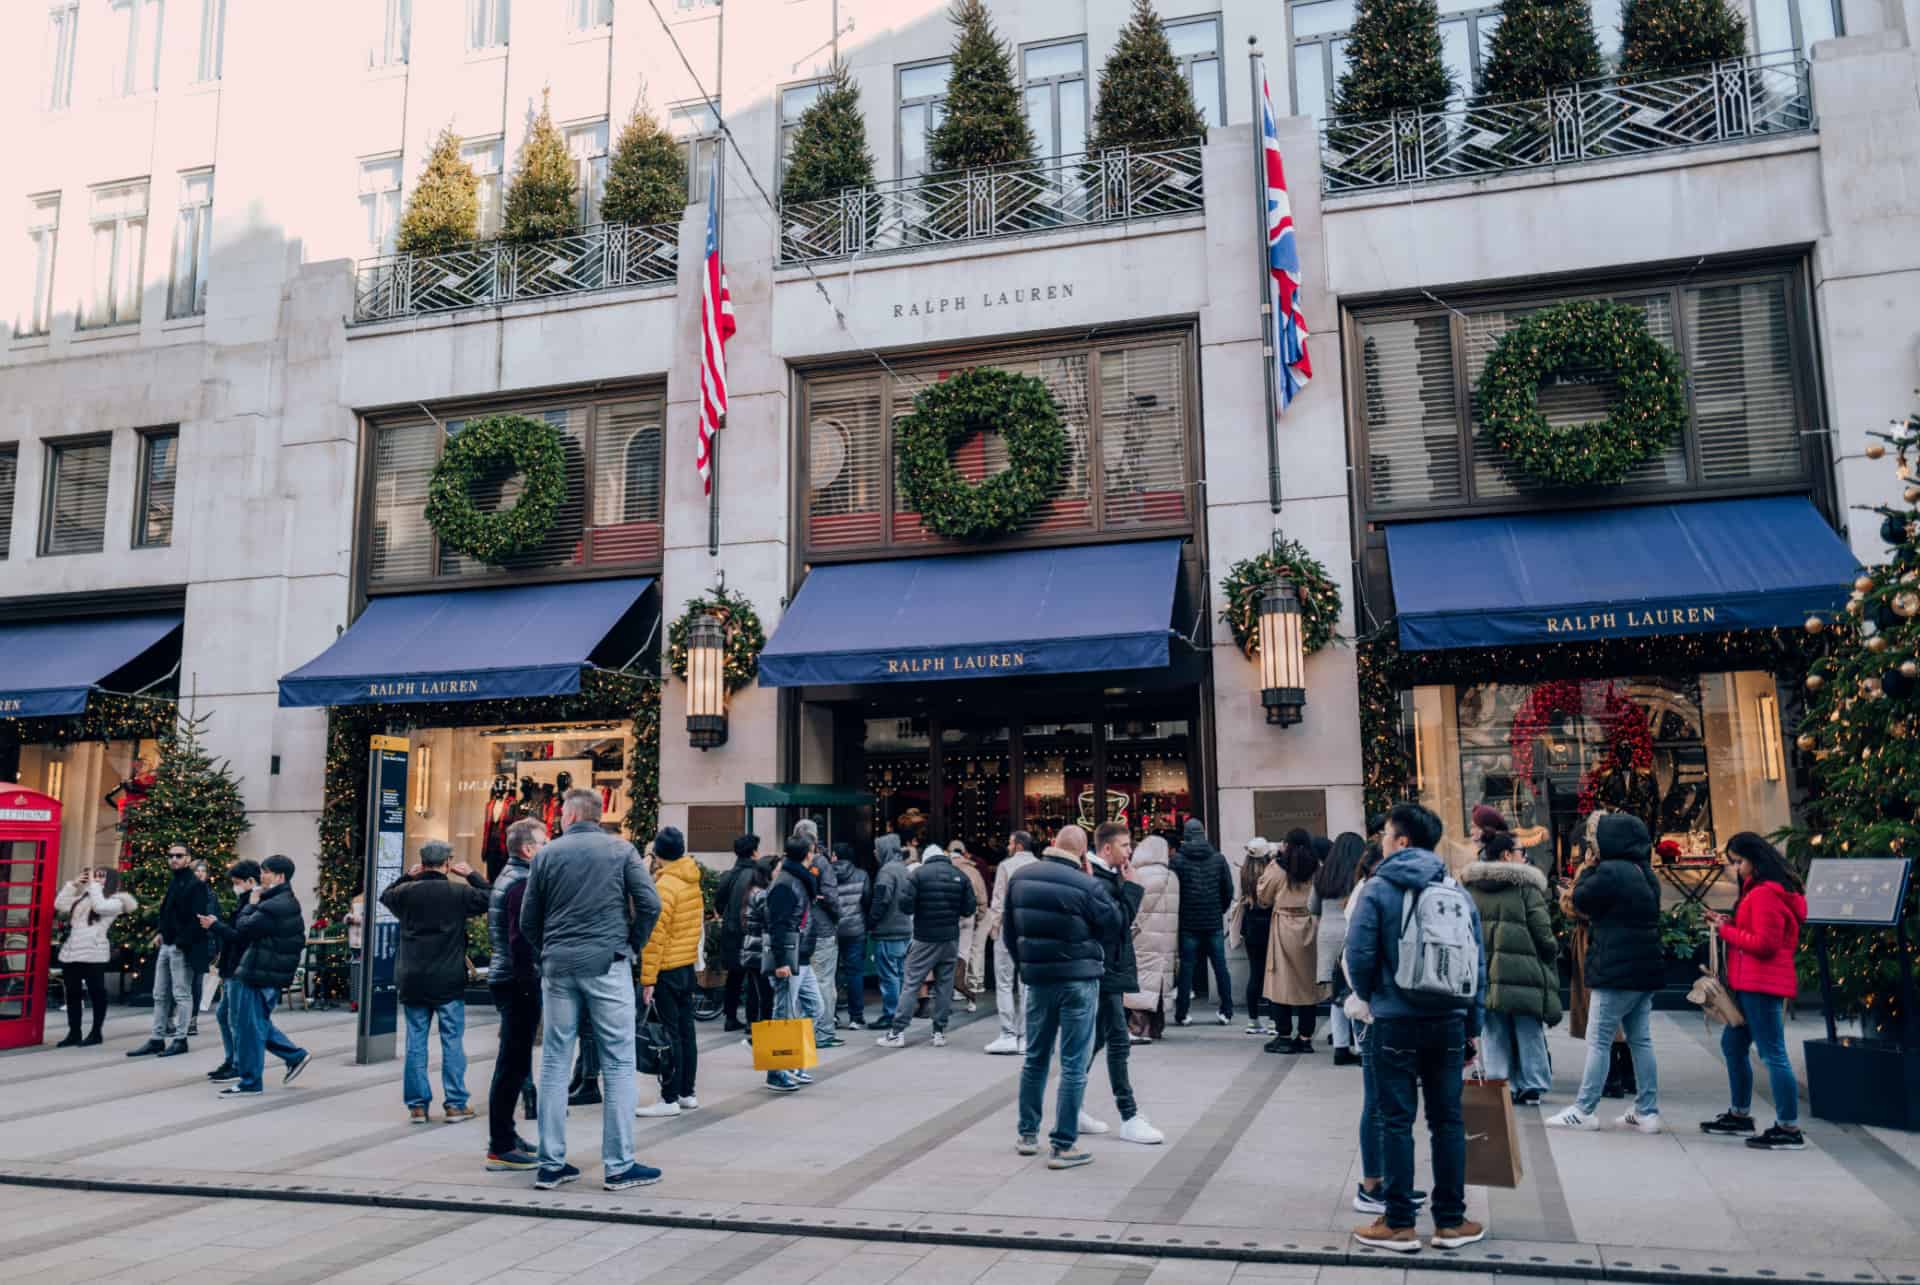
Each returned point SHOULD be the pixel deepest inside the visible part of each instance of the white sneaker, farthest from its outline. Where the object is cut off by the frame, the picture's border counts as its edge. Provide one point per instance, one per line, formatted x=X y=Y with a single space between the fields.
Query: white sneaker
x=1090 y=1125
x=1222 y=1019
x=658 y=1110
x=939 y=1039
x=1648 y=1123
x=1138 y=1130
x=892 y=1040
x=689 y=1103
x=1573 y=1118
x=1005 y=1044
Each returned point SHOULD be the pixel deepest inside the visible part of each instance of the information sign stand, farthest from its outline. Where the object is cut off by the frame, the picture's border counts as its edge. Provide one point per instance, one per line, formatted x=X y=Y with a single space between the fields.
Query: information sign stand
x=386 y=849
x=1858 y=1080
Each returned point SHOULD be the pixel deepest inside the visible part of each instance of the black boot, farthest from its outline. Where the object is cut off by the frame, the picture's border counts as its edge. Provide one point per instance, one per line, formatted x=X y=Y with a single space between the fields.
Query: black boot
x=72 y=1040
x=174 y=1049
x=148 y=1049
x=1620 y=1078
x=93 y=1037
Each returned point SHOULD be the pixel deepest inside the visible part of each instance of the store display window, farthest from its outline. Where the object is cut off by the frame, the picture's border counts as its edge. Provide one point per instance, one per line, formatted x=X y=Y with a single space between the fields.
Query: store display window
x=1058 y=789
x=99 y=784
x=468 y=784
x=1147 y=782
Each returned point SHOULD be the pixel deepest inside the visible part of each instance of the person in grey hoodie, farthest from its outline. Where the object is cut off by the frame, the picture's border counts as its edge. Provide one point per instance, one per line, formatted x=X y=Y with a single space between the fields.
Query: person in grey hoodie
x=589 y=908
x=890 y=921
x=1010 y=997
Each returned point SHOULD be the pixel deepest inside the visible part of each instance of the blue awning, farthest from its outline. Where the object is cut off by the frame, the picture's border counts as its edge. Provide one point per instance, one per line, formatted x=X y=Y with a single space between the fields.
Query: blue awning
x=978 y=615
x=47 y=668
x=466 y=645
x=1616 y=573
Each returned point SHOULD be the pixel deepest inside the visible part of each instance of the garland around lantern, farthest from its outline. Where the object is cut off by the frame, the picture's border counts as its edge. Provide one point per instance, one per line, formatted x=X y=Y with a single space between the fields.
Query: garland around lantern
x=745 y=637
x=1247 y=579
x=1588 y=335
x=1022 y=410
x=487 y=446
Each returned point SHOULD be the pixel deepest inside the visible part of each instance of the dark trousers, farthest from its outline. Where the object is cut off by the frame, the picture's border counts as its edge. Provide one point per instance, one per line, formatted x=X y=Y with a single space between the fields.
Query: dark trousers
x=1215 y=946
x=730 y=996
x=519 y=1009
x=1288 y=1016
x=1110 y=1031
x=1415 y=1060
x=1256 y=972
x=853 y=976
x=673 y=1001
x=92 y=977
x=758 y=994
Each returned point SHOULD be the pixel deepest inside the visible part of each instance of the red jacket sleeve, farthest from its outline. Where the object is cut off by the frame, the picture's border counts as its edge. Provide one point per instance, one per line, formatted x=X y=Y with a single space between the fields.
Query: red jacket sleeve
x=1766 y=930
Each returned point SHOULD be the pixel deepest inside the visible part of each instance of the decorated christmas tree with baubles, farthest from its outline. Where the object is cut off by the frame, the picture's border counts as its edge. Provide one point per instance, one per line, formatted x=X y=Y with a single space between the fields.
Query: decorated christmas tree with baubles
x=1862 y=727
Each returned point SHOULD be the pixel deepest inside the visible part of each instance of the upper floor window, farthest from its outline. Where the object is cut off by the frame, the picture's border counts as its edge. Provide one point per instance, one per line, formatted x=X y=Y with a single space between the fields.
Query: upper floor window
x=1780 y=25
x=213 y=39
x=1054 y=77
x=74 y=519
x=1320 y=47
x=486 y=156
x=134 y=39
x=43 y=234
x=611 y=516
x=63 y=32
x=585 y=15
x=392 y=36
x=380 y=204
x=1130 y=420
x=1740 y=338
x=921 y=91
x=119 y=219
x=153 y=510
x=794 y=101
x=192 y=246
x=697 y=130
x=9 y=478
x=487 y=22
x=1196 y=46
x=587 y=144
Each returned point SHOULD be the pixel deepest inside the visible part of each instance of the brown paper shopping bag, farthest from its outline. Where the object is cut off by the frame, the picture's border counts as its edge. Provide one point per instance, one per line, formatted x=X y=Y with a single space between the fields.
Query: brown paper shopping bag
x=1493 y=1136
x=784 y=1045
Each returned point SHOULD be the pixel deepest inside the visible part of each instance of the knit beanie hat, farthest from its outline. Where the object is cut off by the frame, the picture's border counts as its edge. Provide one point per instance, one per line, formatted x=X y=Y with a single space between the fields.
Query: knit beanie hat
x=669 y=844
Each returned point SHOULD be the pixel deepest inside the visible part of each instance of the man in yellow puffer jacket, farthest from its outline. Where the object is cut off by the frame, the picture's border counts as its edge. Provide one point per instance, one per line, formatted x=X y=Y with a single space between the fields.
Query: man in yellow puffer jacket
x=666 y=967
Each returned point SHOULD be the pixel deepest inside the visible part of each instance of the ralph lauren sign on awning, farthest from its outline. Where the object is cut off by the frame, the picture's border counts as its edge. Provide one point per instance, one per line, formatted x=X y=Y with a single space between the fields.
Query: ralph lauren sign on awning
x=1615 y=573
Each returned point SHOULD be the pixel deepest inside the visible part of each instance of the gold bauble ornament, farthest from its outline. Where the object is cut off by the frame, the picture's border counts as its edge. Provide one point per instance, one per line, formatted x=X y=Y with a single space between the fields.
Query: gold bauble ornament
x=1877 y=644
x=1876 y=451
x=1805 y=741
x=1815 y=682
x=1817 y=840
x=1863 y=585
x=1853 y=606
x=1906 y=603
x=1815 y=624
x=1910 y=668
x=1911 y=495
x=1871 y=686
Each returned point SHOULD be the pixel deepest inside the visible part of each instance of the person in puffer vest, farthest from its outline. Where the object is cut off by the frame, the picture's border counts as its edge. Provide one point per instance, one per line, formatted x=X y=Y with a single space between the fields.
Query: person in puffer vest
x=938 y=897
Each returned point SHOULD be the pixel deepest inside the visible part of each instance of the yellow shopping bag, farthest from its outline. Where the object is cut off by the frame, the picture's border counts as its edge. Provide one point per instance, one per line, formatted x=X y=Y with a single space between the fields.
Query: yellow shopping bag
x=785 y=1045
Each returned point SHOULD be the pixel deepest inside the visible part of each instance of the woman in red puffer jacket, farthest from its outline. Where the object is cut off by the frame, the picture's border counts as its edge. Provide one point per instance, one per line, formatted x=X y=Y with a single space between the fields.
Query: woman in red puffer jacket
x=1762 y=938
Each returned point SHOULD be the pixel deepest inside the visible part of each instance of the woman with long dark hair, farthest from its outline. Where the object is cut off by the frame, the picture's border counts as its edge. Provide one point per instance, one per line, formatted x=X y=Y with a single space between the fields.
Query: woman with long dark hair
x=92 y=901
x=1762 y=936
x=1332 y=884
x=1292 y=957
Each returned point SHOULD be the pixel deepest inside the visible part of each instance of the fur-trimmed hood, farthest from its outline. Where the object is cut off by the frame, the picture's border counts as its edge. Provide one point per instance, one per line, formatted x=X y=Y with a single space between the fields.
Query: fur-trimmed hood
x=1502 y=873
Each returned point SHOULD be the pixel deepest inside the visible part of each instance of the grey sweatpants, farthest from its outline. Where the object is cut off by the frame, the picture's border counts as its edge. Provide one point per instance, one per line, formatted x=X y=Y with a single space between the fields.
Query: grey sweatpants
x=924 y=958
x=172 y=993
x=826 y=964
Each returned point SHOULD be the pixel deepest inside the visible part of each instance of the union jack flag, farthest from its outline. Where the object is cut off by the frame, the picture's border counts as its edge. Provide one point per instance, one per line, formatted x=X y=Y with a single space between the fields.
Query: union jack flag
x=1293 y=368
x=716 y=327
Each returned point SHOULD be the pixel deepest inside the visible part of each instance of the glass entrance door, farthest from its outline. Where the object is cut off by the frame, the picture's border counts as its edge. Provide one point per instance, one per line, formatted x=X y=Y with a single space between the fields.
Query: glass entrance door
x=23 y=899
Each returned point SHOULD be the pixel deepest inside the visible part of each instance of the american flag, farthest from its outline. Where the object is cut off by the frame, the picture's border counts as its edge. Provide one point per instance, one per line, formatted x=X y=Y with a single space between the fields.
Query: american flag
x=1293 y=369
x=716 y=327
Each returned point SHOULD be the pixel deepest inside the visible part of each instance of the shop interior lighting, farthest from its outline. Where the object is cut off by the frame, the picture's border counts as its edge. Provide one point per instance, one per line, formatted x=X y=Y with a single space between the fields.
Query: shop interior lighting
x=1767 y=707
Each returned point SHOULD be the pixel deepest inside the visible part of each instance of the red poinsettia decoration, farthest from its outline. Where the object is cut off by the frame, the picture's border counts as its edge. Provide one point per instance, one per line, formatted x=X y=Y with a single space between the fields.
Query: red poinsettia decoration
x=1629 y=740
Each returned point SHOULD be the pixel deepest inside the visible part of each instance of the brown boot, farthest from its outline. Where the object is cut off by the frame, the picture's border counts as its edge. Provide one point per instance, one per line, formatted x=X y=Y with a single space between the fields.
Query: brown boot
x=1401 y=1240
x=1463 y=1233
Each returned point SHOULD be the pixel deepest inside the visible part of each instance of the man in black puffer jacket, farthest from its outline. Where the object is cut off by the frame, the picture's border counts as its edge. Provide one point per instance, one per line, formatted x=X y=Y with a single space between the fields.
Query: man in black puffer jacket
x=855 y=894
x=1620 y=897
x=729 y=902
x=1059 y=925
x=274 y=933
x=938 y=897
x=245 y=876
x=1206 y=891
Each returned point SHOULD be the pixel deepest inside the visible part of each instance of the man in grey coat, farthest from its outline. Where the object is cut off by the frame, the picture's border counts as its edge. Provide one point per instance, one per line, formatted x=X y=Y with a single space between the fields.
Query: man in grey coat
x=890 y=922
x=589 y=908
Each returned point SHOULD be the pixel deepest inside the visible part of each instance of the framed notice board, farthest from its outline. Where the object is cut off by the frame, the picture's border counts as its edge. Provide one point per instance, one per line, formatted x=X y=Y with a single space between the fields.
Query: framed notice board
x=1861 y=892
x=1277 y=811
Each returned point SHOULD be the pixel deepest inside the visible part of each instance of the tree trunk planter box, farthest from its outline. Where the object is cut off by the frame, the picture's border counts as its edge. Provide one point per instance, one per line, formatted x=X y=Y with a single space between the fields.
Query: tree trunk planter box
x=1864 y=1081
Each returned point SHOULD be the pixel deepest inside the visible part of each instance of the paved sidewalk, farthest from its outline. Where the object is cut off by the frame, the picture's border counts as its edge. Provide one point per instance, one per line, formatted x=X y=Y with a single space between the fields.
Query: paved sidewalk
x=912 y=1149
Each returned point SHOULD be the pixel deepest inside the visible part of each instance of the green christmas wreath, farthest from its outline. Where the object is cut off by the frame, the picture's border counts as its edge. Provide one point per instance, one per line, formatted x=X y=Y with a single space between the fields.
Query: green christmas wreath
x=488 y=447
x=1248 y=578
x=1593 y=335
x=745 y=637
x=1018 y=407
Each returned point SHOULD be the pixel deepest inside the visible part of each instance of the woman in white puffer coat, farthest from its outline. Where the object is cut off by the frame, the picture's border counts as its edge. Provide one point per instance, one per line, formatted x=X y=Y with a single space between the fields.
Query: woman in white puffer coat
x=1156 y=940
x=92 y=901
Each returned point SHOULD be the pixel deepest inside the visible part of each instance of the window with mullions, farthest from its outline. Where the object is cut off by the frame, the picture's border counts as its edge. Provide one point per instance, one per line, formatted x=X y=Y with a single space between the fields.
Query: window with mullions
x=74 y=519
x=1466 y=26
x=696 y=131
x=9 y=478
x=1054 y=81
x=1126 y=406
x=610 y=517
x=486 y=156
x=920 y=90
x=43 y=236
x=587 y=145
x=63 y=32
x=119 y=219
x=1196 y=47
x=1780 y=25
x=589 y=15
x=153 y=510
x=794 y=101
x=192 y=246
x=487 y=24
x=1742 y=340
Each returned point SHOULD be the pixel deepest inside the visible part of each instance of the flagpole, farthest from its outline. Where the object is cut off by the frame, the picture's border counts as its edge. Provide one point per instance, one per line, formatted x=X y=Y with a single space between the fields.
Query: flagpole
x=718 y=196
x=1269 y=324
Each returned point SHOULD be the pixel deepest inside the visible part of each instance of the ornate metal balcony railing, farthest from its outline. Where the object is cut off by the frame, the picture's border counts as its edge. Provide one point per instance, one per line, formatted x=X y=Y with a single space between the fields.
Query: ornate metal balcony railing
x=597 y=258
x=1083 y=189
x=1757 y=97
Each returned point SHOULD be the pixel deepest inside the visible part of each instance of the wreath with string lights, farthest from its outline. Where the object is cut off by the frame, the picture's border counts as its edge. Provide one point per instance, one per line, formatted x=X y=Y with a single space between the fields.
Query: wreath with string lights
x=1248 y=578
x=1591 y=337
x=487 y=448
x=1629 y=740
x=746 y=639
x=1022 y=410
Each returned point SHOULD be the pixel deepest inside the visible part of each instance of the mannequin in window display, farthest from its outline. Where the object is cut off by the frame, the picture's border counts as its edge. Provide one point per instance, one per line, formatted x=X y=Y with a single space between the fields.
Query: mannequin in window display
x=127 y=796
x=501 y=812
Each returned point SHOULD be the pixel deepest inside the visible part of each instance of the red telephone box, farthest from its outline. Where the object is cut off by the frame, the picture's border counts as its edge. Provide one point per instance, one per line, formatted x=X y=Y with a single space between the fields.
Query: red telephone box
x=29 y=855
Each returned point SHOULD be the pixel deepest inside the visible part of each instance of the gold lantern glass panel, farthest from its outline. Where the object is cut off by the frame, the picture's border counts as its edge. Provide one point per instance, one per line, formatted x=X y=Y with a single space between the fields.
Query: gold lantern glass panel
x=706 y=682
x=1283 y=654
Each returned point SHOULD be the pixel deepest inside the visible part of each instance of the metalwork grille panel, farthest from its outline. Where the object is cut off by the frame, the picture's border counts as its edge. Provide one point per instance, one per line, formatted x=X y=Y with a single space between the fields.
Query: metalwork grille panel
x=477 y=276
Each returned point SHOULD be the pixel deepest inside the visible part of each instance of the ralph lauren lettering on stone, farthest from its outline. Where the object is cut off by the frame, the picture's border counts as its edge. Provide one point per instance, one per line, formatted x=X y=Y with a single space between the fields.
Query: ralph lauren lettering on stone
x=1048 y=293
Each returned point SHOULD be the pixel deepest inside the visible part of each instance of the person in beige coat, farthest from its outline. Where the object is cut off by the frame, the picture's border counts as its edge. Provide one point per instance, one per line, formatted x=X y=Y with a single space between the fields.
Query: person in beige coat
x=1156 y=940
x=1293 y=967
x=972 y=966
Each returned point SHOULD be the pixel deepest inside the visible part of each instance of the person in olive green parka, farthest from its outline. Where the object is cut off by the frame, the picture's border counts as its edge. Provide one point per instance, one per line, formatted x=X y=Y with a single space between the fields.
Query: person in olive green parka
x=1523 y=985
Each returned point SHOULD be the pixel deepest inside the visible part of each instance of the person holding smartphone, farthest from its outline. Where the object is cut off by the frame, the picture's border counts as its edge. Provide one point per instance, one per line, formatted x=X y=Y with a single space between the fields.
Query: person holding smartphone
x=92 y=900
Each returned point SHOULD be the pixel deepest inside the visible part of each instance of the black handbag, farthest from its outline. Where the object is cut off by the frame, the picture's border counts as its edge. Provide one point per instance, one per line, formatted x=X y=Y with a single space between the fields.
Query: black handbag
x=653 y=1047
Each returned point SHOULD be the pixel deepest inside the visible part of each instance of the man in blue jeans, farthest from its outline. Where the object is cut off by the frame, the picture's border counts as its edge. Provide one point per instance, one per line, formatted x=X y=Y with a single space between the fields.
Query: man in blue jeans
x=589 y=907
x=273 y=934
x=1206 y=894
x=1060 y=925
x=433 y=902
x=1419 y=1043
x=889 y=924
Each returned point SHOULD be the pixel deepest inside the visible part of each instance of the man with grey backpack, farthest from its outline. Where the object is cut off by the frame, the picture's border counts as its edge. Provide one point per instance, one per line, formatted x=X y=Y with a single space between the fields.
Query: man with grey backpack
x=1413 y=955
